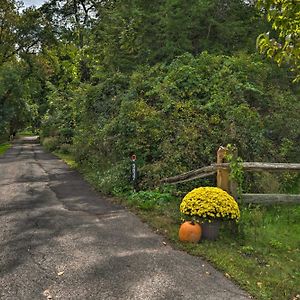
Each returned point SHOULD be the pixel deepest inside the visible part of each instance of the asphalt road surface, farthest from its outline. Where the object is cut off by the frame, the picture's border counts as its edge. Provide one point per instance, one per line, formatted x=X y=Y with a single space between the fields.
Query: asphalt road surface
x=61 y=240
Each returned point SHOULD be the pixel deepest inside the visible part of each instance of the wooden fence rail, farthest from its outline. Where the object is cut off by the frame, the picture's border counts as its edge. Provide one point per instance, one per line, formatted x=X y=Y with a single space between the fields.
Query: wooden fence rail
x=247 y=166
x=261 y=166
x=188 y=176
x=270 y=198
x=226 y=183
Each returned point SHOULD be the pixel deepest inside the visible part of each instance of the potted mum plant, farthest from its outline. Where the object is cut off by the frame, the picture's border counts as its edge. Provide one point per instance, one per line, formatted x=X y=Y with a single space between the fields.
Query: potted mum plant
x=207 y=206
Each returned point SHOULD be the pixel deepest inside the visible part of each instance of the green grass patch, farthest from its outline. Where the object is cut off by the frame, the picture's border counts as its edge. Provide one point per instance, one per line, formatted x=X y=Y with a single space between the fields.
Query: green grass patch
x=293 y=184
x=26 y=132
x=67 y=158
x=261 y=254
x=4 y=147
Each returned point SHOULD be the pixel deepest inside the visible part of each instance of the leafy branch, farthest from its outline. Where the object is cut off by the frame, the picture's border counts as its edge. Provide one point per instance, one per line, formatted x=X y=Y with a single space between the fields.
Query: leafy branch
x=236 y=168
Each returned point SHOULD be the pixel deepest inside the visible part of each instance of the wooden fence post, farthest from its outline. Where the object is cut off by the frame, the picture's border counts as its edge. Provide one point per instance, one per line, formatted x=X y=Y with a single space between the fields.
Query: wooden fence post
x=222 y=174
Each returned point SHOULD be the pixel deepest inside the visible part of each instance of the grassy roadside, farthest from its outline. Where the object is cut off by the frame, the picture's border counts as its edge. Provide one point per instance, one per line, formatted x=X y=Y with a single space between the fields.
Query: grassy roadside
x=4 y=147
x=25 y=133
x=67 y=158
x=263 y=258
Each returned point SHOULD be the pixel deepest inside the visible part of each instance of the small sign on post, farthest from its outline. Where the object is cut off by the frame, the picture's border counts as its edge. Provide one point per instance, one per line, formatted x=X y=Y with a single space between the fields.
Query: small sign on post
x=133 y=171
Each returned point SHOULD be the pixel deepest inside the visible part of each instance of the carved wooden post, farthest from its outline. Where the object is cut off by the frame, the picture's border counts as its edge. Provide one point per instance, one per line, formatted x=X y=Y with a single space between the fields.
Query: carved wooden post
x=222 y=174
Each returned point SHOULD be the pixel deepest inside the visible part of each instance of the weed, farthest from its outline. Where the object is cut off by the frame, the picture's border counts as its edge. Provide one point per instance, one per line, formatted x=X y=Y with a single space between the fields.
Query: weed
x=51 y=143
x=248 y=250
x=4 y=147
x=67 y=158
x=147 y=200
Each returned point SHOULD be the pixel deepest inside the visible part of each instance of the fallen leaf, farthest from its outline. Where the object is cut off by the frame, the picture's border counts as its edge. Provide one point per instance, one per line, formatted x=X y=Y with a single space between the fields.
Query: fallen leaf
x=164 y=243
x=60 y=273
x=227 y=275
x=259 y=284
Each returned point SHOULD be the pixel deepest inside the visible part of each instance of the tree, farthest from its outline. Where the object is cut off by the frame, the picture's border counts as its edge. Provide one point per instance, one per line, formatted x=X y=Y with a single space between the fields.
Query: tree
x=285 y=46
x=14 y=110
x=131 y=33
x=70 y=18
x=20 y=32
x=8 y=19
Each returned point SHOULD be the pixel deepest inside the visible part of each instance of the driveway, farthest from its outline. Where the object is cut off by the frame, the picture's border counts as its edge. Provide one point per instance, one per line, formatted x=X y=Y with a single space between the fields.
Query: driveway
x=59 y=239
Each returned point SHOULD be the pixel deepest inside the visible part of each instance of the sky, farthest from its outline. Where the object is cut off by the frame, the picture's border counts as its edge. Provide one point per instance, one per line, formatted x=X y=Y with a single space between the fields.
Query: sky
x=36 y=3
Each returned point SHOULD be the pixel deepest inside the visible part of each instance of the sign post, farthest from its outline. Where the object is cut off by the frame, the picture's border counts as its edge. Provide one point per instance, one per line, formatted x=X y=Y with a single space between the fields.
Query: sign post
x=134 y=172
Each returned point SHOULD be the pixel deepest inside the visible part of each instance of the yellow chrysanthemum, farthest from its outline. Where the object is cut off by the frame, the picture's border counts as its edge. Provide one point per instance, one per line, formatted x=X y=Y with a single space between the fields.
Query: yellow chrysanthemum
x=210 y=202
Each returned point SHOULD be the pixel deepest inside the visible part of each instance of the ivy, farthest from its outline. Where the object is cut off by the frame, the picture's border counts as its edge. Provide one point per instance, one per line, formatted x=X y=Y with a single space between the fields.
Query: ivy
x=236 y=168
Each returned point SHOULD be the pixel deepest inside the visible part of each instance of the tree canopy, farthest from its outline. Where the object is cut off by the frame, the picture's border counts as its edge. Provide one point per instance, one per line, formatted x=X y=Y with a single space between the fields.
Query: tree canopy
x=283 y=45
x=168 y=80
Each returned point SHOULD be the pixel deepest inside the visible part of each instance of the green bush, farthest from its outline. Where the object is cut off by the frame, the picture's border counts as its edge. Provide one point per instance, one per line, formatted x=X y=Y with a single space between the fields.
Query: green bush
x=65 y=148
x=174 y=117
x=51 y=143
x=147 y=200
x=113 y=180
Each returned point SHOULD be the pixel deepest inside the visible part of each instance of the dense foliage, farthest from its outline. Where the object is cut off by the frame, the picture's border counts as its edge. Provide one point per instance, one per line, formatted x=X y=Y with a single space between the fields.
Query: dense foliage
x=166 y=80
x=285 y=18
x=175 y=116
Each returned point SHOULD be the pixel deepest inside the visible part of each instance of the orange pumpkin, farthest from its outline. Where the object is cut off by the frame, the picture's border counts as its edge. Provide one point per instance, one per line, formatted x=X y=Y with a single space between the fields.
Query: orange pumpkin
x=190 y=232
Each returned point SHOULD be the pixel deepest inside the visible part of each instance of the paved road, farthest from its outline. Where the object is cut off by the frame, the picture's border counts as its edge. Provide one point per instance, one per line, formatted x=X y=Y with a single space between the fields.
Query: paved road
x=61 y=240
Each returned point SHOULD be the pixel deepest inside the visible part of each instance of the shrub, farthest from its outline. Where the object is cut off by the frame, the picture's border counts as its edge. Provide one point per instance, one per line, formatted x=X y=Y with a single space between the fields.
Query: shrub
x=147 y=200
x=65 y=148
x=112 y=180
x=66 y=134
x=174 y=117
x=51 y=143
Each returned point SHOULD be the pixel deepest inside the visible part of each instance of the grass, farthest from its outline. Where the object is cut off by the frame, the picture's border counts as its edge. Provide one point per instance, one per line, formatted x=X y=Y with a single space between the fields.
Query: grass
x=4 y=147
x=263 y=256
x=67 y=158
x=26 y=132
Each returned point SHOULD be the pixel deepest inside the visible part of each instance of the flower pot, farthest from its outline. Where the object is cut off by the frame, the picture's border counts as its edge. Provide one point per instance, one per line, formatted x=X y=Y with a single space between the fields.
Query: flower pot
x=210 y=230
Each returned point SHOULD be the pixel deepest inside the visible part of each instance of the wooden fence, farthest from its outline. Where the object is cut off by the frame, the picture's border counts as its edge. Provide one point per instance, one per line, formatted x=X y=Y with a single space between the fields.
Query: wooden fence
x=222 y=169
